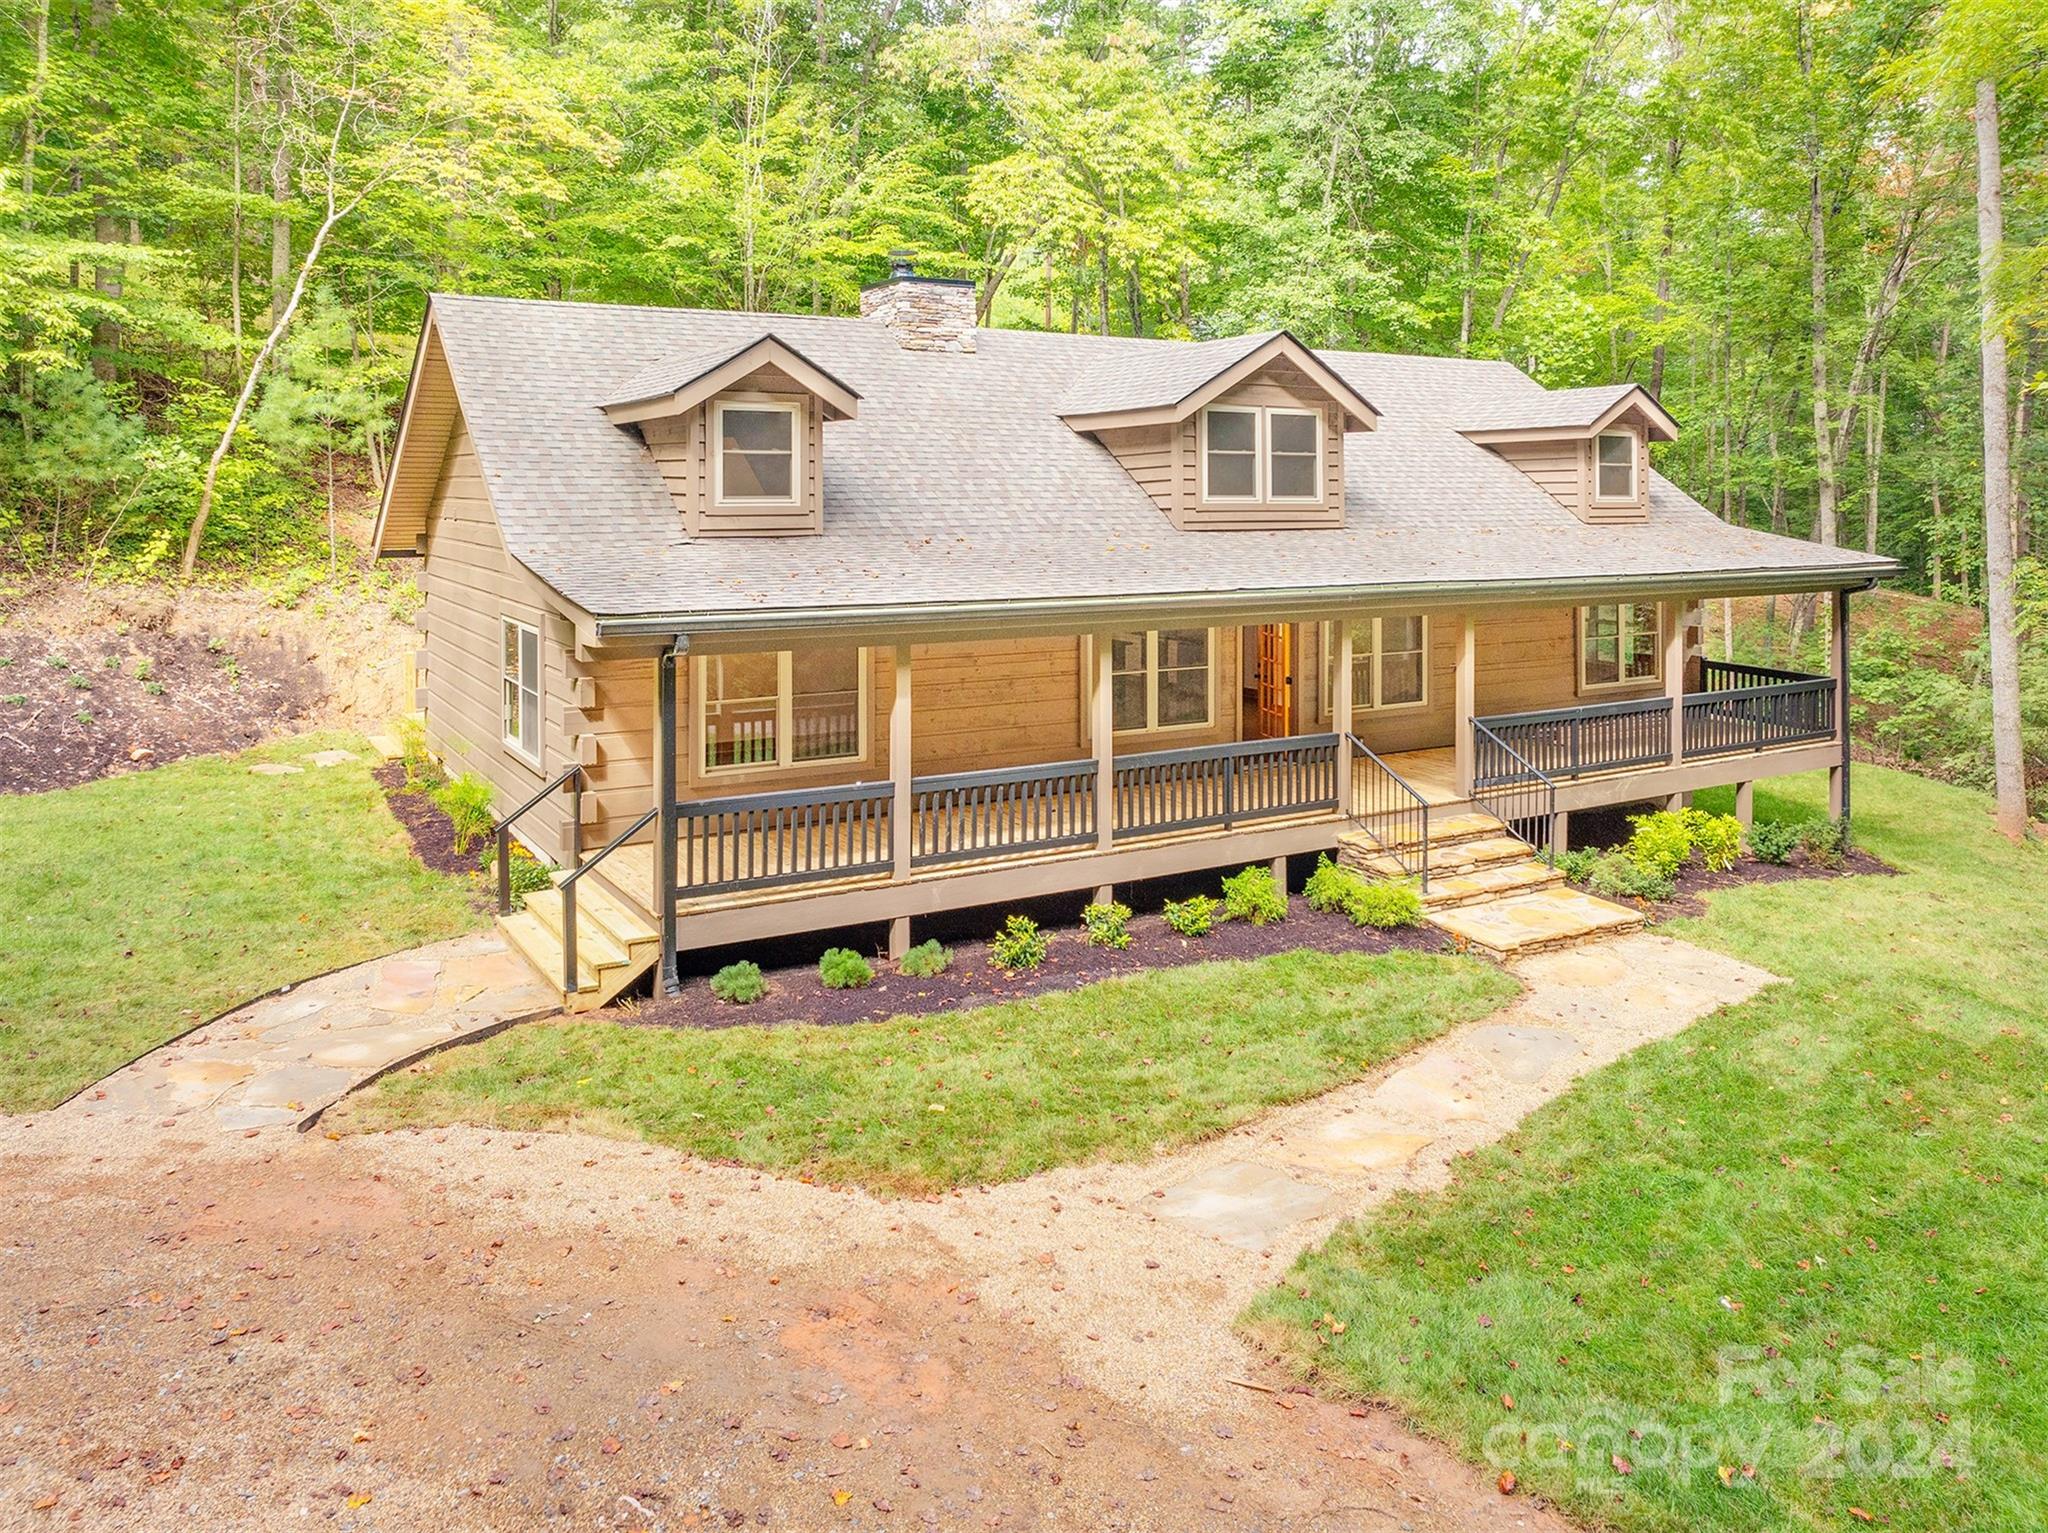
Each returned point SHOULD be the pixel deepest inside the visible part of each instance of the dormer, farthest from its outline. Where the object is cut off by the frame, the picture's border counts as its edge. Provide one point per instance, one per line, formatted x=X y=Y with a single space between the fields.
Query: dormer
x=1588 y=448
x=737 y=432
x=1227 y=435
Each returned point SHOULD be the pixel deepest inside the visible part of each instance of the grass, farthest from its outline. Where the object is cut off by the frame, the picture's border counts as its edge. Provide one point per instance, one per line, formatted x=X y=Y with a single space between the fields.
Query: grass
x=1114 y=1070
x=140 y=905
x=1811 y=1232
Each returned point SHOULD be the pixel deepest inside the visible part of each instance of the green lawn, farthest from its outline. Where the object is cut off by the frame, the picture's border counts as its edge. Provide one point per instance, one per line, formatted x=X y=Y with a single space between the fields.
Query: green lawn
x=134 y=907
x=1847 y=1177
x=1115 y=1070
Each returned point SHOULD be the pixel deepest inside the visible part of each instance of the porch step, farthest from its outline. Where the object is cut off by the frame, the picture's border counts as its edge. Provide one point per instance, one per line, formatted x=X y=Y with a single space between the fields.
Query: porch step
x=614 y=944
x=1535 y=921
x=386 y=747
x=1358 y=850
x=1491 y=881
x=1445 y=829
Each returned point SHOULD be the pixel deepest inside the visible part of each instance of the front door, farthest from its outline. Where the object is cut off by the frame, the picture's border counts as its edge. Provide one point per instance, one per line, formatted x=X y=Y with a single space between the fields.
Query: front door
x=1276 y=681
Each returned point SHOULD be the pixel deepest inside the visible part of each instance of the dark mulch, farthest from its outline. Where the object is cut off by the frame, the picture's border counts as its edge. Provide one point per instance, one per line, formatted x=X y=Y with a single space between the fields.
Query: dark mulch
x=795 y=994
x=433 y=836
x=74 y=708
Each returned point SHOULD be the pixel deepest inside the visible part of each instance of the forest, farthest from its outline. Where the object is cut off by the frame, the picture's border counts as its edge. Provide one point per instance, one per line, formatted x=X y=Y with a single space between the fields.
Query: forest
x=219 y=221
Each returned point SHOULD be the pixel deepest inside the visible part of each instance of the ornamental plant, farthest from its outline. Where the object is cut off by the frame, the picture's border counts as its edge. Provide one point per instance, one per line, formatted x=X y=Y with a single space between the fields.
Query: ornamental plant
x=1251 y=894
x=1106 y=925
x=1191 y=917
x=739 y=984
x=1331 y=886
x=1773 y=841
x=927 y=959
x=1019 y=945
x=1384 y=905
x=843 y=969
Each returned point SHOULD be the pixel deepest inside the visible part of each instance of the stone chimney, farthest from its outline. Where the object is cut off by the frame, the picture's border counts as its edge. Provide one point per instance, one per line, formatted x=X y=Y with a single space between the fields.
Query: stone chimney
x=923 y=313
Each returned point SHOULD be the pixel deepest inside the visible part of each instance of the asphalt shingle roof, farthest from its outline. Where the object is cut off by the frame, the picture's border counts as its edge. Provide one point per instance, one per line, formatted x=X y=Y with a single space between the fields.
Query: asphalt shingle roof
x=960 y=484
x=1551 y=407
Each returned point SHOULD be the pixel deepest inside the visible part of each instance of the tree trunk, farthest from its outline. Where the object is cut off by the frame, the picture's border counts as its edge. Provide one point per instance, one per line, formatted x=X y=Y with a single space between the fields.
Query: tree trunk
x=2008 y=763
x=1817 y=282
x=1873 y=451
x=30 y=122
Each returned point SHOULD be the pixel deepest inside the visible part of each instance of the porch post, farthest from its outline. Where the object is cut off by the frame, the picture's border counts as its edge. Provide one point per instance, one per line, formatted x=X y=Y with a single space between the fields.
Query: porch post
x=1467 y=704
x=1340 y=715
x=900 y=803
x=1838 y=776
x=1102 y=729
x=666 y=822
x=1745 y=803
x=1674 y=675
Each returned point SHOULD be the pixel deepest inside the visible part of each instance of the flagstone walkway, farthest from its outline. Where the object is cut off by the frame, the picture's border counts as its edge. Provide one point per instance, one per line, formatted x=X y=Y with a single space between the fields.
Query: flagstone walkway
x=281 y=1059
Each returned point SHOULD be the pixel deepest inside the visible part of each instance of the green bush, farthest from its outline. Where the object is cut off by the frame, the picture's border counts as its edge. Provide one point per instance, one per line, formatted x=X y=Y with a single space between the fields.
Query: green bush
x=1824 y=841
x=421 y=770
x=1252 y=894
x=843 y=969
x=1019 y=945
x=1661 y=843
x=740 y=983
x=1330 y=886
x=528 y=874
x=1773 y=840
x=1716 y=837
x=1191 y=917
x=928 y=958
x=466 y=800
x=1106 y=925
x=1384 y=905
x=1577 y=865
x=1619 y=876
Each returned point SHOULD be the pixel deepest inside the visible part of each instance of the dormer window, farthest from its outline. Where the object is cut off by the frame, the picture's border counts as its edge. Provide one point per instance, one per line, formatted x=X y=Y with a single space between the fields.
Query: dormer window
x=756 y=462
x=1262 y=456
x=1614 y=466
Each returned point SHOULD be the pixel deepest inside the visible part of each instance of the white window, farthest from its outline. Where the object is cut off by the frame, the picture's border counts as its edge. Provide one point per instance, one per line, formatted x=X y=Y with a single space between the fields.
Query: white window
x=755 y=461
x=789 y=707
x=1619 y=644
x=1160 y=679
x=521 y=669
x=1614 y=466
x=1389 y=663
x=1271 y=456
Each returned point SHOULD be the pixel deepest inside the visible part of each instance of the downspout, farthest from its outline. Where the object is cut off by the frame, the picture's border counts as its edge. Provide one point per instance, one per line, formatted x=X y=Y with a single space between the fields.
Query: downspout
x=666 y=823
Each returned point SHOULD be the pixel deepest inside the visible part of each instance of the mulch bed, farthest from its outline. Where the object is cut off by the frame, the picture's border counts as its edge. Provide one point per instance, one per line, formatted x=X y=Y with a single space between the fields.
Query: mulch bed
x=83 y=718
x=795 y=994
x=433 y=835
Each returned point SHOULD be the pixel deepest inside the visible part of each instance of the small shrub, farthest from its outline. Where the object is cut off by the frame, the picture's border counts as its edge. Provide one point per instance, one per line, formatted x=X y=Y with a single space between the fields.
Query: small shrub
x=1384 y=905
x=144 y=668
x=81 y=683
x=420 y=769
x=1773 y=840
x=1106 y=925
x=1330 y=886
x=528 y=874
x=928 y=958
x=153 y=688
x=84 y=715
x=1019 y=945
x=17 y=699
x=112 y=662
x=466 y=800
x=1661 y=843
x=1191 y=917
x=1824 y=841
x=1619 y=876
x=1251 y=894
x=1576 y=865
x=843 y=969
x=57 y=663
x=740 y=984
x=1716 y=837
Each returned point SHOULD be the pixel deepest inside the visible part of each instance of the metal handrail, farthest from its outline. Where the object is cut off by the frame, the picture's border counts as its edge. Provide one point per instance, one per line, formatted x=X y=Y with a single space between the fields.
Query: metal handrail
x=1392 y=849
x=504 y=830
x=568 y=888
x=1487 y=795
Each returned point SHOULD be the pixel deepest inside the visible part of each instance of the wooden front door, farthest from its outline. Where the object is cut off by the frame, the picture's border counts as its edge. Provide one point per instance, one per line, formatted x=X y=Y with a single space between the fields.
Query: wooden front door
x=1276 y=681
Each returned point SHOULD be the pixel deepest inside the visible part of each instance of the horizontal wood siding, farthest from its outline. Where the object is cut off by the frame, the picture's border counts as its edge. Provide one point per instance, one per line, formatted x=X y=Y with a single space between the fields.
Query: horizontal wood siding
x=680 y=446
x=1275 y=385
x=1559 y=468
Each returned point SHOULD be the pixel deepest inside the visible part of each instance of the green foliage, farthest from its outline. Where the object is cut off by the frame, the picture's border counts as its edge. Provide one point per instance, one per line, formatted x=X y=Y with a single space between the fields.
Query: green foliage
x=527 y=873
x=1716 y=837
x=1191 y=917
x=466 y=800
x=927 y=960
x=1618 y=875
x=1824 y=841
x=1251 y=894
x=740 y=984
x=1019 y=945
x=1773 y=840
x=1330 y=886
x=843 y=969
x=1106 y=925
x=1384 y=905
x=1661 y=844
x=1577 y=864
x=421 y=770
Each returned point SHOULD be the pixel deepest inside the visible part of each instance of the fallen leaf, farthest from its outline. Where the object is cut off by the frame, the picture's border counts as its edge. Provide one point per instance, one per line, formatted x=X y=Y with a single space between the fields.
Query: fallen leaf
x=1506 y=1482
x=1860 y=1515
x=360 y=1498
x=841 y=1497
x=1621 y=1465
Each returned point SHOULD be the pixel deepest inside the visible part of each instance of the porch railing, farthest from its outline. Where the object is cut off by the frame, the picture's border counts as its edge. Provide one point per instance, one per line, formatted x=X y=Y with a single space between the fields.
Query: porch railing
x=764 y=840
x=1724 y=675
x=1520 y=794
x=959 y=816
x=1568 y=742
x=1388 y=809
x=1158 y=792
x=1730 y=720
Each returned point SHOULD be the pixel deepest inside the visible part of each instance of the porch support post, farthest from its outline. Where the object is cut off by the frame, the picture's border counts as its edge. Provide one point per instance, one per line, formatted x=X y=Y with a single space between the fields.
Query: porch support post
x=1560 y=832
x=1467 y=689
x=1838 y=776
x=1102 y=729
x=900 y=803
x=666 y=822
x=1745 y=803
x=1674 y=675
x=1340 y=715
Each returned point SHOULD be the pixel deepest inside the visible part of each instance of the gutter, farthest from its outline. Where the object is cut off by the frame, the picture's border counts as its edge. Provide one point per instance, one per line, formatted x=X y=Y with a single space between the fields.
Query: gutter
x=1300 y=602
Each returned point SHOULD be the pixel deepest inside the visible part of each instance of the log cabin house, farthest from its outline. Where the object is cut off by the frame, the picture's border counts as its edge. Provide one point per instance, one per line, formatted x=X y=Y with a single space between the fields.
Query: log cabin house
x=762 y=624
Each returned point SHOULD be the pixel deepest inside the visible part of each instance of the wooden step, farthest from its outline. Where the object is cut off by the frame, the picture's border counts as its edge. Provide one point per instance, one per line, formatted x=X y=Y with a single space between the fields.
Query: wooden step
x=623 y=922
x=387 y=747
x=1490 y=882
x=594 y=945
x=543 y=949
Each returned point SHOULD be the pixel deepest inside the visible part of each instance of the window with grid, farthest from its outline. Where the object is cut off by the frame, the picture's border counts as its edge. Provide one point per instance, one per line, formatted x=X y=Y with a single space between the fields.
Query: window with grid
x=757 y=454
x=1159 y=679
x=1389 y=662
x=1614 y=466
x=521 y=677
x=1619 y=643
x=782 y=707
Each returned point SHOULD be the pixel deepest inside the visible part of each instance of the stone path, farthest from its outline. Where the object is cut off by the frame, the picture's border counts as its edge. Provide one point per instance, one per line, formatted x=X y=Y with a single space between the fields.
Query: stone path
x=281 y=1059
